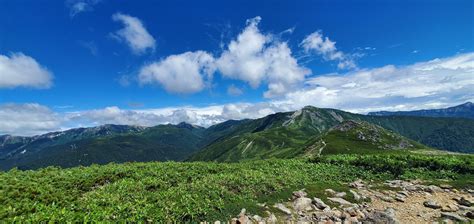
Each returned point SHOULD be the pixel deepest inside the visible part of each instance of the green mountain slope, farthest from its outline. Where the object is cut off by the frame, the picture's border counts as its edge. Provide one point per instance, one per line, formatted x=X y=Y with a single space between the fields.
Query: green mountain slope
x=286 y=135
x=279 y=135
x=452 y=134
x=301 y=140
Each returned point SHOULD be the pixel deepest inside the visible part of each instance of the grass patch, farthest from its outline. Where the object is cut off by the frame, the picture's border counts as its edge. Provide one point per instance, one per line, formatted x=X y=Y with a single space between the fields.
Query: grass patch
x=201 y=191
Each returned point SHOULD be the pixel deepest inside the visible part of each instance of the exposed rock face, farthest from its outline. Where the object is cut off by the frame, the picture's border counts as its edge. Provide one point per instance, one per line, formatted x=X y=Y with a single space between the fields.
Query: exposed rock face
x=302 y=204
x=299 y=194
x=340 y=201
x=465 y=201
x=282 y=208
x=470 y=214
x=330 y=191
x=453 y=216
x=432 y=204
x=387 y=216
x=320 y=203
x=357 y=184
x=450 y=208
x=346 y=126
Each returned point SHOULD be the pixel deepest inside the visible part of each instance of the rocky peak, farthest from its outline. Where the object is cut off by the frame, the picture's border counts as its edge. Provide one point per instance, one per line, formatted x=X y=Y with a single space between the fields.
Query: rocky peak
x=347 y=125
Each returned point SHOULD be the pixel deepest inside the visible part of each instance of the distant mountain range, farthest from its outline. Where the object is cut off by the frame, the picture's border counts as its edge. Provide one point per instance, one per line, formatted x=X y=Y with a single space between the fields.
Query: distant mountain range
x=465 y=110
x=307 y=132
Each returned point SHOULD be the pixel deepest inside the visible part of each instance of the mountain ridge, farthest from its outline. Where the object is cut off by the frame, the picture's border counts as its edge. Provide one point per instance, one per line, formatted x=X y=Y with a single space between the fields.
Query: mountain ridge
x=280 y=135
x=465 y=110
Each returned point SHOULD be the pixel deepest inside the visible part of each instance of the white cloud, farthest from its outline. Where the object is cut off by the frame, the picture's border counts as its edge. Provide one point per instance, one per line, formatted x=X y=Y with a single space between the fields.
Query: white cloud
x=27 y=119
x=183 y=73
x=234 y=90
x=203 y=116
x=113 y=115
x=79 y=6
x=243 y=59
x=134 y=33
x=323 y=46
x=255 y=57
x=33 y=119
x=22 y=70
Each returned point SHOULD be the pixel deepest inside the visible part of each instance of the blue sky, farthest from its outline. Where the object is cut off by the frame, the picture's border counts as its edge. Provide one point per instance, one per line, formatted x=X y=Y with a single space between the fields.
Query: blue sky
x=89 y=62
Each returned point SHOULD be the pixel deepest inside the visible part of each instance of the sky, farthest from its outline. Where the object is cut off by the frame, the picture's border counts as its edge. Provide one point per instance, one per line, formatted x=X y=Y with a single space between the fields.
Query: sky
x=80 y=63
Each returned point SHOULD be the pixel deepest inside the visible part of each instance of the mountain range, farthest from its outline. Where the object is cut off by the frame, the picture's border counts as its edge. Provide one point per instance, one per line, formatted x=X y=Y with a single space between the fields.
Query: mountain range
x=307 y=132
x=465 y=110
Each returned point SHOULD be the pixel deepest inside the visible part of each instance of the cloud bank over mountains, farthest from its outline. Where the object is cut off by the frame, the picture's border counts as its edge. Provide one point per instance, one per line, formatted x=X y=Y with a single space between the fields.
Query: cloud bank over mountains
x=431 y=84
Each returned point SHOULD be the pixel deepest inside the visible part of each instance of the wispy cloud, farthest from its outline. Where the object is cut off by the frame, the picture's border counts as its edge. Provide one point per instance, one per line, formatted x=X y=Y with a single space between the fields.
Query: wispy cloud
x=233 y=90
x=323 y=46
x=79 y=6
x=90 y=46
x=395 y=45
x=134 y=34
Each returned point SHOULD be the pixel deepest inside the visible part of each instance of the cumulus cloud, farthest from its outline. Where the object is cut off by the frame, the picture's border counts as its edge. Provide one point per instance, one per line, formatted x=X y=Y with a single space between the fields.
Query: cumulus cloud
x=255 y=57
x=323 y=46
x=27 y=119
x=133 y=33
x=183 y=73
x=19 y=70
x=243 y=58
x=79 y=6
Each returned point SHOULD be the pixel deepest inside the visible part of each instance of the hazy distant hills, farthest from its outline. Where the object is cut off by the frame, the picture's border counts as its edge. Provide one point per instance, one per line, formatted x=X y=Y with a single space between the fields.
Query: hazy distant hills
x=102 y=144
x=307 y=132
x=12 y=145
x=465 y=110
